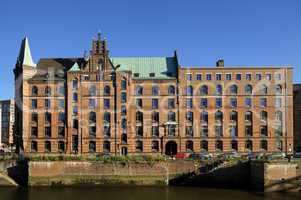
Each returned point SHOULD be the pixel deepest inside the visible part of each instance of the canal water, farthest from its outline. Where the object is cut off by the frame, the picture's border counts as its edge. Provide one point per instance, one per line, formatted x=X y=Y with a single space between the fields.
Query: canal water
x=137 y=193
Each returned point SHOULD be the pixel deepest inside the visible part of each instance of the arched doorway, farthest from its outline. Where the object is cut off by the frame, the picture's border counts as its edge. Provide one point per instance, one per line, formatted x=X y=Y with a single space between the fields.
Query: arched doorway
x=171 y=148
x=124 y=151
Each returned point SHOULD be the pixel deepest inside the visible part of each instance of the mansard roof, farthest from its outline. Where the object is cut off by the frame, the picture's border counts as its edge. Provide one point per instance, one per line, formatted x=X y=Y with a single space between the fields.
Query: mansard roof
x=160 y=67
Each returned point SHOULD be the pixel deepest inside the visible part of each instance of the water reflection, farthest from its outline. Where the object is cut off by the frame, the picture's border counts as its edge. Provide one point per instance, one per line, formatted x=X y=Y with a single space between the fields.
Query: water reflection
x=136 y=193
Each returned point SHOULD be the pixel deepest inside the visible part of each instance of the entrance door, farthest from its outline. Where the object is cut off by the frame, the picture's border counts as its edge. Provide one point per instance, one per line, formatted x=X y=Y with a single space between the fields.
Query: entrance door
x=124 y=151
x=171 y=148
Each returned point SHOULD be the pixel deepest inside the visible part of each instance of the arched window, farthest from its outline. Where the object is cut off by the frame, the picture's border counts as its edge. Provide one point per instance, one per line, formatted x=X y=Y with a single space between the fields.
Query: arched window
x=189 y=146
x=263 y=89
x=264 y=145
x=233 y=116
x=189 y=90
x=47 y=91
x=204 y=90
x=92 y=90
x=219 y=116
x=92 y=147
x=233 y=89
x=47 y=146
x=204 y=117
x=34 y=90
x=155 y=117
x=249 y=116
x=155 y=90
x=248 y=89
x=171 y=116
x=107 y=90
x=278 y=115
x=34 y=146
x=92 y=117
x=249 y=145
x=171 y=90
x=155 y=146
x=263 y=116
x=139 y=91
x=219 y=90
x=189 y=116
x=139 y=117
x=278 y=89
x=204 y=145
x=106 y=146
x=107 y=117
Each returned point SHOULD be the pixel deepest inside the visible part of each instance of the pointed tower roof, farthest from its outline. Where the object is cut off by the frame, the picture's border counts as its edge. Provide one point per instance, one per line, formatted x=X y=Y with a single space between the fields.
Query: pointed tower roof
x=25 y=54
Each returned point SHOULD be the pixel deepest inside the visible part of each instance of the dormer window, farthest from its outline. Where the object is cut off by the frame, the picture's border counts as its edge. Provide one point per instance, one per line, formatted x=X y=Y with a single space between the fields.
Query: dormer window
x=136 y=74
x=151 y=74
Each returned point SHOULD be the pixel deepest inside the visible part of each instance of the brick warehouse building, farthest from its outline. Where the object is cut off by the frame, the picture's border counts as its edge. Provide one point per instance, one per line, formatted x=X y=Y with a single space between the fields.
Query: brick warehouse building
x=129 y=105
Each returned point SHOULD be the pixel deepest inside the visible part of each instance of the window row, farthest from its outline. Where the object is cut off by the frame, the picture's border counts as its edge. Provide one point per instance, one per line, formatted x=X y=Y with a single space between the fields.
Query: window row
x=230 y=76
x=233 y=89
x=47 y=90
x=155 y=90
x=233 y=102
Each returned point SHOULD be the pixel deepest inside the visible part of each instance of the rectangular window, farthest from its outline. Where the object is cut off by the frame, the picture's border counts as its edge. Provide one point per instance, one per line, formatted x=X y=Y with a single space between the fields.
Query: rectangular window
x=155 y=103
x=278 y=102
x=258 y=77
x=47 y=103
x=238 y=77
x=218 y=77
x=248 y=77
x=188 y=77
x=203 y=103
x=48 y=131
x=233 y=102
x=92 y=103
x=189 y=103
x=248 y=102
x=123 y=84
x=34 y=131
x=263 y=102
x=139 y=103
x=208 y=77
x=199 y=77
x=218 y=102
x=171 y=103
x=228 y=77
x=278 y=77
x=219 y=131
x=61 y=131
x=136 y=75
x=151 y=74
x=106 y=103
x=269 y=77
x=123 y=97
x=61 y=103
x=34 y=104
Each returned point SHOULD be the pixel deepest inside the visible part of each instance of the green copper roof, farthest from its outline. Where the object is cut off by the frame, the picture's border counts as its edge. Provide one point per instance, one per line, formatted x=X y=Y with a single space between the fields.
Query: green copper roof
x=74 y=68
x=162 y=67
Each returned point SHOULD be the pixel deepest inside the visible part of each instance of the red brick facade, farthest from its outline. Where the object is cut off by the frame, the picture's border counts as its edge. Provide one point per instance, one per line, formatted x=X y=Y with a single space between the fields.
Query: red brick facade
x=68 y=106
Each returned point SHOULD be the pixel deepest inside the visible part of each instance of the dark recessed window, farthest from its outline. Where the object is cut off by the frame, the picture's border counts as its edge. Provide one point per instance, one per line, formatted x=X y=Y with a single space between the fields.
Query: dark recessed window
x=151 y=74
x=136 y=74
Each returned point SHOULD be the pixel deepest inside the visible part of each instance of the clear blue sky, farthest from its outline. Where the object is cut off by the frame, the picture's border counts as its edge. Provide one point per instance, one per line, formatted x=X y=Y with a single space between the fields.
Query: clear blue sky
x=243 y=32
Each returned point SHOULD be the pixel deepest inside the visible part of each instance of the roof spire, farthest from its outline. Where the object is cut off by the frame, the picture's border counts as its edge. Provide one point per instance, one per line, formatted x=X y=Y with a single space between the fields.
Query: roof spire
x=25 y=54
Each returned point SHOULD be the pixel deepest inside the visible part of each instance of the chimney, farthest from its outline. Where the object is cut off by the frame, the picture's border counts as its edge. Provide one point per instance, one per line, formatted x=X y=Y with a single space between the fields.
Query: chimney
x=220 y=63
